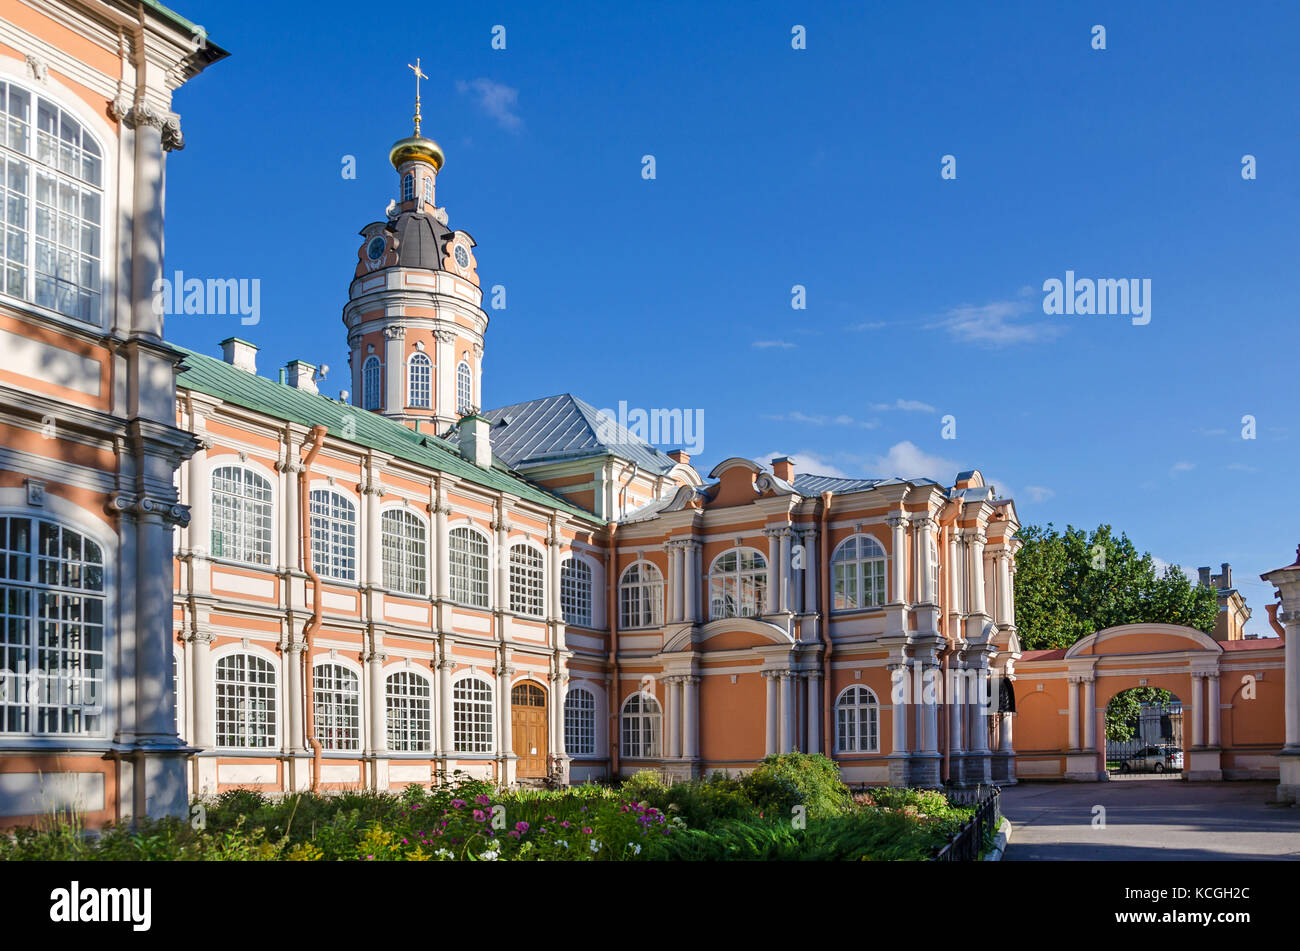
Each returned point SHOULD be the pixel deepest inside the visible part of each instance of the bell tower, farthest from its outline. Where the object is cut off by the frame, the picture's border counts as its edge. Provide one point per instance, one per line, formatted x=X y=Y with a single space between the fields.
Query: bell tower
x=414 y=316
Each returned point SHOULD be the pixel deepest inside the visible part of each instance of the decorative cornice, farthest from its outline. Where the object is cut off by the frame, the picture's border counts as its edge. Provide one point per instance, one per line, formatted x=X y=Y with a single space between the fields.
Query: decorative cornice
x=122 y=503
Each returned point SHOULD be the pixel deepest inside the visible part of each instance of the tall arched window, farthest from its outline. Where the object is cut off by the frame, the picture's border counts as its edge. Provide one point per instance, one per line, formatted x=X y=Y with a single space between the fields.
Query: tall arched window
x=575 y=591
x=337 y=705
x=420 y=381
x=51 y=206
x=467 y=557
x=857 y=721
x=642 y=726
x=409 y=702
x=857 y=574
x=464 y=389
x=737 y=584
x=580 y=722
x=471 y=715
x=372 y=379
x=333 y=535
x=641 y=596
x=428 y=191
x=408 y=187
x=403 y=540
x=241 y=515
x=51 y=630
x=245 y=706
x=527 y=581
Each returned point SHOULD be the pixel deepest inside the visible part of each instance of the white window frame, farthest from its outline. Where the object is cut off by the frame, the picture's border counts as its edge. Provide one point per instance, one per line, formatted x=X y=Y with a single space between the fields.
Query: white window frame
x=640 y=597
x=253 y=716
x=408 y=707
x=527 y=580
x=866 y=564
x=336 y=705
x=580 y=719
x=408 y=187
x=419 y=388
x=473 y=714
x=734 y=587
x=852 y=735
x=372 y=383
x=464 y=388
x=641 y=726
x=333 y=537
x=469 y=570
x=244 y=530
x=404 y=546
x=576 y=591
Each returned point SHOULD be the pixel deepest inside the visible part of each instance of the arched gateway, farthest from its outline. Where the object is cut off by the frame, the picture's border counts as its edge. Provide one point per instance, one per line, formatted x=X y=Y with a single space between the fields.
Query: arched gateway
x=1232 y=695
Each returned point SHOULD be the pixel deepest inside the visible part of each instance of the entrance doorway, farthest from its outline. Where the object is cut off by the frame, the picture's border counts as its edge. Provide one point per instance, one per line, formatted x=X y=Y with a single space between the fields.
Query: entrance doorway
x=528 y=728
x=1144 y=734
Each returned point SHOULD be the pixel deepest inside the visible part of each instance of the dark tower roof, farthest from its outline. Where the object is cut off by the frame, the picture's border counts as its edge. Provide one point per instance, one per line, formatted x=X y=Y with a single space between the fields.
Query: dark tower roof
x=421 y=240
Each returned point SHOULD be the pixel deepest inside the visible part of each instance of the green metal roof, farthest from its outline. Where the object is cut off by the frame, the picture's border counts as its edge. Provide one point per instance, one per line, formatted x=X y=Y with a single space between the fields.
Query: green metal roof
x=176 y=19
x=369 y=430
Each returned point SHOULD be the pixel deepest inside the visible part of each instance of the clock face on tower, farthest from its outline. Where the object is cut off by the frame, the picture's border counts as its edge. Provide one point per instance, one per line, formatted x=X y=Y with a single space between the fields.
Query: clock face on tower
x=462 y=256
x=375 y=249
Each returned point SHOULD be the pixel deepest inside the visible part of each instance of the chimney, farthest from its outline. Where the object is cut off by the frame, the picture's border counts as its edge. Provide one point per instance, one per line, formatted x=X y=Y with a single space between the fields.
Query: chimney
x=783 y=468
x=475 y=441
x=302 y=376
x=1204 y=574
x=240 y=354
x=1225 y=579
x=680 y=456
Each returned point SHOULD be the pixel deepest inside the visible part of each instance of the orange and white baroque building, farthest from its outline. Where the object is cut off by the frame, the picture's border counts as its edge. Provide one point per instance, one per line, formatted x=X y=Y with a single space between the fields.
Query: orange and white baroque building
x=211 y=578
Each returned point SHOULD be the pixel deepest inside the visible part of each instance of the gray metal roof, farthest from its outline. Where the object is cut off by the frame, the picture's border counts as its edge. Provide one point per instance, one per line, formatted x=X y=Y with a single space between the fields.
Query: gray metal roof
x=808 y=484
x=563 y=427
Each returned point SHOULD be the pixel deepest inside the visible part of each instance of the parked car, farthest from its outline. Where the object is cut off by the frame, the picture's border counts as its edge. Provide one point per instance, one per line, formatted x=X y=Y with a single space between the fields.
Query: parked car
x=1153 y=759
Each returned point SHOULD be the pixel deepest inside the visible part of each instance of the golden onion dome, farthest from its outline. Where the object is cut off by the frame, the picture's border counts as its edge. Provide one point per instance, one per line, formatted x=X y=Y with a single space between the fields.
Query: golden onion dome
x=416 y=147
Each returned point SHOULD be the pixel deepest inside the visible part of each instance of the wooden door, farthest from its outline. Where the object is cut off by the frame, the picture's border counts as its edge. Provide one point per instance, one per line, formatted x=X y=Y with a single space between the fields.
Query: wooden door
x=528 y=728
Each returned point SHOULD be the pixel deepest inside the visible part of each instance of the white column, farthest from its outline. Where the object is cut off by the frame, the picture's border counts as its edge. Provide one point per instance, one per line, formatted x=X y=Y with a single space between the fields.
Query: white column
x=504 y=674
x=1072 y=685
x=441 y=548
x=771 y=711
x=1090 y=713
x=930 y=708
x=1005 y=734
x=956 y=701
x=898 y=523
x=674 y=726
x=202 y=731
x=814 y=712
x=693 y=581
x=979 y=706
x=676 y=590
x=503 y=562
x=925 y=538
x=976 y=590
x=394 y=370
x=954 y=575
x=784 y=602
x=1004 y=587
x=690 y=714
x=901 y=688
x=787 y=711
x=812 y=565
x=773 y=579
x=446 y=737
x=374 y=566
x=1198 y=734
x=1212 y=708
x=378 y=701
x=1291 y=655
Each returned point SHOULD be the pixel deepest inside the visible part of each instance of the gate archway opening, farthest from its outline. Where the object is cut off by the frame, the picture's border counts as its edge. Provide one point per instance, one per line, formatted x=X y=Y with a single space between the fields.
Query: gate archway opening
x=1144 y=734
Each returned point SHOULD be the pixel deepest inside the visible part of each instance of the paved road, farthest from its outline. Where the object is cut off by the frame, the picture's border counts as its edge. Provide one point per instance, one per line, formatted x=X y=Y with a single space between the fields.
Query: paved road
x=1155 y=820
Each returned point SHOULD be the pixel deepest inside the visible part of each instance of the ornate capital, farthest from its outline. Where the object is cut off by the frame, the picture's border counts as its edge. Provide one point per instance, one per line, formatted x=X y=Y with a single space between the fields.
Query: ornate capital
x=173 y=140
x=445 y=336
x=394 y=333
x=170 y=511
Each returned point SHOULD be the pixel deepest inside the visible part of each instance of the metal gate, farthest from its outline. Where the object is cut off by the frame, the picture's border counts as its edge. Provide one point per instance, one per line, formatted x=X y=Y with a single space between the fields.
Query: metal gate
x=1156 y=745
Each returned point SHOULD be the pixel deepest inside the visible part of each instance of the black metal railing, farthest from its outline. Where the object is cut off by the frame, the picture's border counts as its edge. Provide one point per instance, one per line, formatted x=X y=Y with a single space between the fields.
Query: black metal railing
x=966 y=844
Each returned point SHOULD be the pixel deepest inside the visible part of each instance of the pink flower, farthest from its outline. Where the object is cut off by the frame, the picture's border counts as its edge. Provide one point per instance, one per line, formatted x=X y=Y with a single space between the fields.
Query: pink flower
x=586 y=830
x=482 y=800
x=521 y=826
x=479 y=815
x=456 y=804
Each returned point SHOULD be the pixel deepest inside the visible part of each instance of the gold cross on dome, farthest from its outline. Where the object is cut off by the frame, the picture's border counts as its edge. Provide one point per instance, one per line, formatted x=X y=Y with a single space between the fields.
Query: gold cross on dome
x=419 y=74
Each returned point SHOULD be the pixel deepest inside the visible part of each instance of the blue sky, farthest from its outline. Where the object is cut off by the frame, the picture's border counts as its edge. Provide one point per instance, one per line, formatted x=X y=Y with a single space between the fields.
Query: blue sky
x=818 y=167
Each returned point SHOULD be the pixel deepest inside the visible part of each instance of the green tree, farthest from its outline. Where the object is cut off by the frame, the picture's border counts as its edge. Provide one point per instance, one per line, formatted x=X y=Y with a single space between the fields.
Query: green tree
x=1123 y=709
x=1071 y=584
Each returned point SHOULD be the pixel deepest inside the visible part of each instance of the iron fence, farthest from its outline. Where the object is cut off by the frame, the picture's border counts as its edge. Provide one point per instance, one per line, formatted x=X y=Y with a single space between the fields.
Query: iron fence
x=966 y=844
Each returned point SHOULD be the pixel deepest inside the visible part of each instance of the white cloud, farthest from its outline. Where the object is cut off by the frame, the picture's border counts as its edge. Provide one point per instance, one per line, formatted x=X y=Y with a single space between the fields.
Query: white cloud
x=998 y=323
x=1161 y=565
x=769 y=344
x=1037 y=493
x=907 y=461
x=796 y=416
x=496 y=99
x=806 y=462
x=866 y=325
x=907 y=406
x=1182 y=467
x=1241 y=467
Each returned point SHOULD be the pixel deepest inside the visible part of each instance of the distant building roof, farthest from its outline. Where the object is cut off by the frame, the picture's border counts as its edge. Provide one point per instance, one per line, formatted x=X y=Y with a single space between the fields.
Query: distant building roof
x=559 y=428
x=217 y=378
x=809 y=485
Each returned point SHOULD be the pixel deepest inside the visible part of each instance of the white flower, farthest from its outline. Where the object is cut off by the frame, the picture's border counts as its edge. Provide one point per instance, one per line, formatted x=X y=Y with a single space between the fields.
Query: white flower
x=443 y=854
x=562 y=843
x=636 y=848
x=490 y=855
x=594 y=845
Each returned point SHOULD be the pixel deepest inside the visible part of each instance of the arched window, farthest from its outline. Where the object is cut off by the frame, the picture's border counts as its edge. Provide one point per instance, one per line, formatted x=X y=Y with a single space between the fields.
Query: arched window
x=857 y=574
x=642 y=725
x=51 y=206
x=337 y=704
x=737 y=584
x=428 y=191
x=372 y=379
x=471 y=715
x=467 y=552
x=245 y=702
x=575 y=591
x=420 y=381
x=934 y=573
x=241 y=515
x=527 y=581
x=641 y=596
x=409 y=702
x=580 y=722
x=464 y=389
x=333 y=535
x=51 y=630
x=408 y=187
x=403 y=540
x=857 y=721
